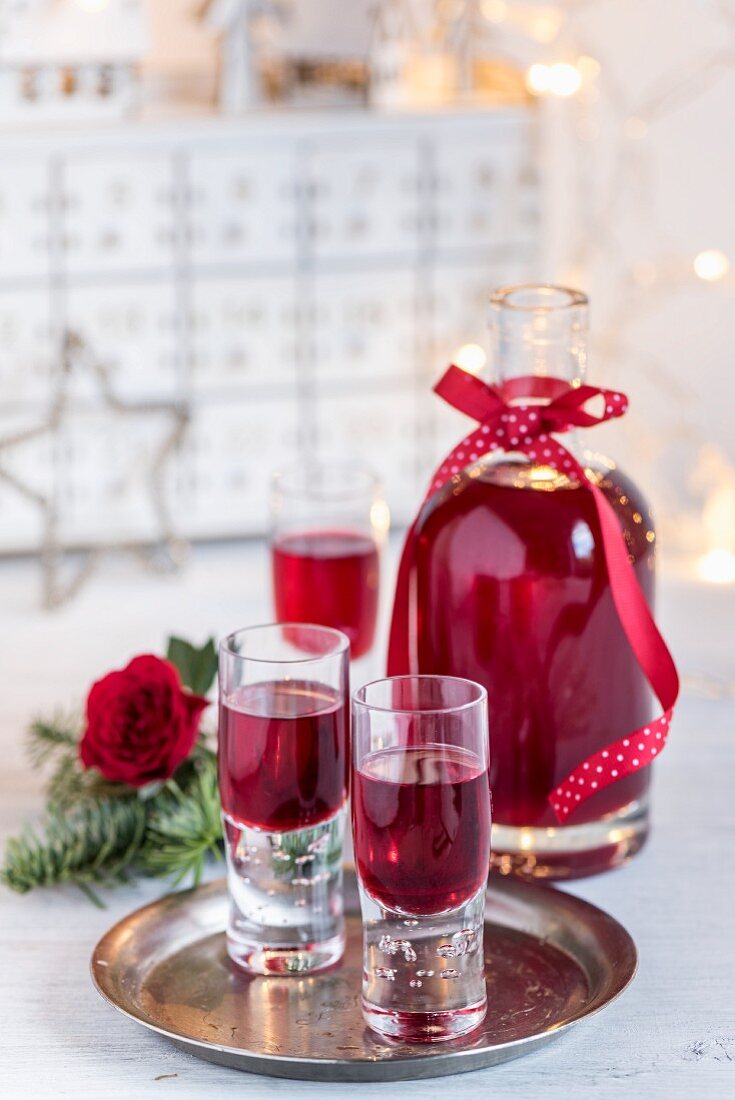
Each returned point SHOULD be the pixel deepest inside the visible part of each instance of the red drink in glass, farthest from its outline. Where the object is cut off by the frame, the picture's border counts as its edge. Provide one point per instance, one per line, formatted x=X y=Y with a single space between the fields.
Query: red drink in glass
x=422 y=827
x=283 y=779
x=283 y=759
x=328 y=577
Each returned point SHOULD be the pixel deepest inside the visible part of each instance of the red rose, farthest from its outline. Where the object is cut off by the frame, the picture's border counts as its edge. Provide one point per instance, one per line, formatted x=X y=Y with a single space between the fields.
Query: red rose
x=141 y=724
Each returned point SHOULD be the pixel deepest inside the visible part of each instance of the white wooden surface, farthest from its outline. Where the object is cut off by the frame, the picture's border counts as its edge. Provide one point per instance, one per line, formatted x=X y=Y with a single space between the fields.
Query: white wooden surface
x=672 y=1035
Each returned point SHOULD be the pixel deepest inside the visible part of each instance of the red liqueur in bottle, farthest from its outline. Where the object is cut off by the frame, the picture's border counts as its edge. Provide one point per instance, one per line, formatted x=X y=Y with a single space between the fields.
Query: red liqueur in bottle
x=512 y=591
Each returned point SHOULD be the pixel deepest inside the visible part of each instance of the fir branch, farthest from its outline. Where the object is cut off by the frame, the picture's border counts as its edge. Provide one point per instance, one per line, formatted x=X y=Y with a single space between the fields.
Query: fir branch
x=47 y=739
x=302 y=843
x=202 y=758
x=183 y=827
x=93 y=844
x=71 y=785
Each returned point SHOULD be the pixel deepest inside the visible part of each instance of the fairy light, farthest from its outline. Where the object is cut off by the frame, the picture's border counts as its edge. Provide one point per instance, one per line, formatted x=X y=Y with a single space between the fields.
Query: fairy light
x=640 y=284
x=537 y=78
x=589 y=67
x=564 y=79
x=711 y=265
x=572 y=72
x=470 y=357
x=561 y=79
x=495 y=11
x=717 y=566
x=545 y=26
x=380 y=518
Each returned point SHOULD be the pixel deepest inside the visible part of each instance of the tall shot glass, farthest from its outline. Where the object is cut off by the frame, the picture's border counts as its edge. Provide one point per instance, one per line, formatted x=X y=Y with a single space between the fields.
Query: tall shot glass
x=421 y=827
x=283 y=774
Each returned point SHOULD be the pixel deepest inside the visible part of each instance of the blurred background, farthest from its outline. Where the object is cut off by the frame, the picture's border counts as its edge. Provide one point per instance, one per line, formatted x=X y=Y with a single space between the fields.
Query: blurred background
x=236 y=234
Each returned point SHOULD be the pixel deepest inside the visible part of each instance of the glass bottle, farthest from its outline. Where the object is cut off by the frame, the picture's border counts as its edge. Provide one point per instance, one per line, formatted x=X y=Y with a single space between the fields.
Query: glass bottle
x=512 y=592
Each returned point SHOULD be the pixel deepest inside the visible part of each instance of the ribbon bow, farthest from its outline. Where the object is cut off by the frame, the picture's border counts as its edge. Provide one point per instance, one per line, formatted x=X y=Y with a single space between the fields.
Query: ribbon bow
x=509 y=421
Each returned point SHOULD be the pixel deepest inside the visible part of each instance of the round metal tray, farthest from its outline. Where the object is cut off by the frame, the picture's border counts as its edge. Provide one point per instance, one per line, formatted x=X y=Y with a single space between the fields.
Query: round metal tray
x=551 y=960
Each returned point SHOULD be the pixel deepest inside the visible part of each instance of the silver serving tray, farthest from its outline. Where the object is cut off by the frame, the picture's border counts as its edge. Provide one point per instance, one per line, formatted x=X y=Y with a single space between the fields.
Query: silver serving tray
x=551 y=960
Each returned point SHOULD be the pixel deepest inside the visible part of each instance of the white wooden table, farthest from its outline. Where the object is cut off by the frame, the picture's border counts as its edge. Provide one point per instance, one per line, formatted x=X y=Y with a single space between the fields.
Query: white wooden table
x=672 y=1035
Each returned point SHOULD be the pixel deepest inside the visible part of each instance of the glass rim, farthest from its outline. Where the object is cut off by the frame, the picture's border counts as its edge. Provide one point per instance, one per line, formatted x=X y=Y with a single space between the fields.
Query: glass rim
x=342 y=646
x=567 y=298
x=295 y=479
x=454 y=709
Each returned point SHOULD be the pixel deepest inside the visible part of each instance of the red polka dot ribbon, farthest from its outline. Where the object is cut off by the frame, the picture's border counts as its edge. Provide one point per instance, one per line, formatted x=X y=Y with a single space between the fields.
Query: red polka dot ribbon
x=512 y=419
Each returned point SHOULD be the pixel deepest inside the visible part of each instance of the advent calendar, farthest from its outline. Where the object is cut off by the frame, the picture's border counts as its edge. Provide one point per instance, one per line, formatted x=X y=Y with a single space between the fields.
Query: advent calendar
x=298 y=279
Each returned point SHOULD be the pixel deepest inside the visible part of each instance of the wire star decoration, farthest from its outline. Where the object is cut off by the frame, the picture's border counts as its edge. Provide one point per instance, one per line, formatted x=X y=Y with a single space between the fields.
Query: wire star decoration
x=164 y=550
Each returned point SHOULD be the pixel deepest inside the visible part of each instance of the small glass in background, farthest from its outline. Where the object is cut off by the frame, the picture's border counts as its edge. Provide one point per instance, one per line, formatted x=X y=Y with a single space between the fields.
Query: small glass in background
x=421 y=832
x=329 y=523
x=284 y=776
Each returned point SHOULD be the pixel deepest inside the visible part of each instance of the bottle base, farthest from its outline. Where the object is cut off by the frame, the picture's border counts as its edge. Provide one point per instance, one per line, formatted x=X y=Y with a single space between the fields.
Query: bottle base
x=570 y=851
x=306 y=958
x=424 y=1027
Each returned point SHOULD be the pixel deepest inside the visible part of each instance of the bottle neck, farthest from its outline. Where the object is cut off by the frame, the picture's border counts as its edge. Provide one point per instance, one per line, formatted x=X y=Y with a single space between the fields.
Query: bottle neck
x=538 y=331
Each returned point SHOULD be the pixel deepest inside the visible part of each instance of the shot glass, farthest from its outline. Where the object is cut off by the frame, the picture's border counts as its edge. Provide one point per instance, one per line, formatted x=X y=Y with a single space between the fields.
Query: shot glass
x=328 y=525
x=284 y=774
x=421 y=829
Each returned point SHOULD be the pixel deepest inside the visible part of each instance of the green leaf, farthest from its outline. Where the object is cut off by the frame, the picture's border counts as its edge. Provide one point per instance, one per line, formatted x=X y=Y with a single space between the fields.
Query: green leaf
x=197 y=667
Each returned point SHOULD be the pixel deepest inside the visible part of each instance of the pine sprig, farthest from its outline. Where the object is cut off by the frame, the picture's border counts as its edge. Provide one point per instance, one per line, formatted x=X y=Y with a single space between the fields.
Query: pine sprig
x=183 y=827
x=47 y=739
x=69 y=785
x=93 y=844
x=57 y=742
x=98 y=833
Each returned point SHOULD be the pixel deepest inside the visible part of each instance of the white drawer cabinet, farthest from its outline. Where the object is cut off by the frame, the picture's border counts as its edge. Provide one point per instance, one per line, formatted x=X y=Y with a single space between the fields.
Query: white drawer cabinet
x=25 y=199
x=119 y=212
x=233 y=447
x=381 y=429
x=365 y=196
x=299 y=280
x=135 y=331
x=242 y=205
x=243 y=334
x=365 y=327
x=27 y=347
